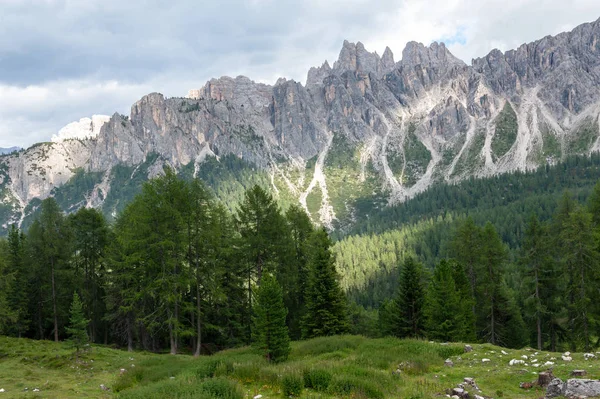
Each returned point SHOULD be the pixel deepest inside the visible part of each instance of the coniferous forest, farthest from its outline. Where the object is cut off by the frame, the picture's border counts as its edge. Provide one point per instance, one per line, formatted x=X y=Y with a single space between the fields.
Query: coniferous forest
x=178 y=272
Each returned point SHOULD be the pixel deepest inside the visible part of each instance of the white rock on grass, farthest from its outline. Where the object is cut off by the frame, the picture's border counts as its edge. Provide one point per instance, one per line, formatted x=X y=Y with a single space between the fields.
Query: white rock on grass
x=2 y=390
x=516 y=361
x=485 y=360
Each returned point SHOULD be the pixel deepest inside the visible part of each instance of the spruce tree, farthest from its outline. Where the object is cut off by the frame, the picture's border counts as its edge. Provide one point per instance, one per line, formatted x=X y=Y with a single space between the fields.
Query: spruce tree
x=294 y=276
x=326 y=308
x=466 y=301
x=17 y=271
x=409 y=301
x=8 y=315
x=270 y=333
x=466 y=249
x=500 y=319
x=50 y=237
x=77 y=328
x=444 y=319
x=538 y=272
x=581 y=262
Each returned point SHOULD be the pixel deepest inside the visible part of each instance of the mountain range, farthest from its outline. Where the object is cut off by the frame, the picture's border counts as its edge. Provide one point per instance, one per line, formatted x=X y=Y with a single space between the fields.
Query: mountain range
x=360 y=134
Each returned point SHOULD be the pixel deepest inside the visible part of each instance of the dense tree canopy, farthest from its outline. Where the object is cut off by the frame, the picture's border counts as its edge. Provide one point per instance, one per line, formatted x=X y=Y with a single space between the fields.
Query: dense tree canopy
x=179 y=271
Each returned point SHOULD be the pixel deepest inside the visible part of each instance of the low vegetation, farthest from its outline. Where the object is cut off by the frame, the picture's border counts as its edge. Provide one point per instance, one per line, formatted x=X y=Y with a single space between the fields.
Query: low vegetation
x=328 y=367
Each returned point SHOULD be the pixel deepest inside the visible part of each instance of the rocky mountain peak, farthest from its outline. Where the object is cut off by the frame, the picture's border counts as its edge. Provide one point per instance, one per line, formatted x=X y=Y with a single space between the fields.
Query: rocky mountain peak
x=356 y=58
x=426 y=119
x=387 y=61
x=316 y=75
x=435 y=54
x=85 y=128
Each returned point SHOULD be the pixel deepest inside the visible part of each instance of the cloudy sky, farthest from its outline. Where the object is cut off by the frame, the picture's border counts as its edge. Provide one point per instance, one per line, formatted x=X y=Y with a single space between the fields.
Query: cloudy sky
x=61 y=60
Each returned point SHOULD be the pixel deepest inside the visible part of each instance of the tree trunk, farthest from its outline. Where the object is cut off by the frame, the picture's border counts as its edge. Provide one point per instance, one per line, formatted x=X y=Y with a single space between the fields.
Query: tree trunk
x=129 y=334
x=199 y=322
x=538 y=313
x=54 y=301
x=544 y=378
x=40 y=323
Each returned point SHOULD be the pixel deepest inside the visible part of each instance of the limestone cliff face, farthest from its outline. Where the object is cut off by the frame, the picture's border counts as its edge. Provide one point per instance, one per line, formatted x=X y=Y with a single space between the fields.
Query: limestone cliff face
x=379 y=127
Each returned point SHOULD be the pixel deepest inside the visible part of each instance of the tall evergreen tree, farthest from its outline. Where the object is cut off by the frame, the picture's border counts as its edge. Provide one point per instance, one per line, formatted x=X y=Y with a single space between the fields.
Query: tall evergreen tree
x=500 y=319
x=326 y=308
x=538 y=276
x=581 y=263
x=466 y=300
x=18 y=273
x=410 y=320
x=466 y=249
x=270 y=332
x=295 y=275
x=444 y=319
x=8 y=315
x=91 y=234
x=50 y=238
x=77 y=328
x=263 y=234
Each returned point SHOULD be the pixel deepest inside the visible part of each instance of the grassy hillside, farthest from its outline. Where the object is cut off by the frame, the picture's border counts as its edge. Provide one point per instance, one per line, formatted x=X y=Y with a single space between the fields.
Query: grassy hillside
x=334 y=367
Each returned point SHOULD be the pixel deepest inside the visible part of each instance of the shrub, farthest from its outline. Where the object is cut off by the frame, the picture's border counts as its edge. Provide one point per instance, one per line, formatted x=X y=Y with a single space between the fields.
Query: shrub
x=221 y=388
x=448 y=351
x=292 y=385
x=223 y=368
x=206 y=369
x=345 y=386
x=317 y=379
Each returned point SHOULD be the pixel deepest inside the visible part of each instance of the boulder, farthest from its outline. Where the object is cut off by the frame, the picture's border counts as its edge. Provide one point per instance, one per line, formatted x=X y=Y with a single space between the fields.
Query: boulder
x=461 y=393
x=449 y=363
x=581 y=387
x=555 y=388
x=578 y=373
x=468 y=348
x=573 y=388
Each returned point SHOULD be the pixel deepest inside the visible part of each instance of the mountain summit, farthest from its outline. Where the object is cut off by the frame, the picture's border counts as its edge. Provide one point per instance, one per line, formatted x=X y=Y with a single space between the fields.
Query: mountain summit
x=362 y=133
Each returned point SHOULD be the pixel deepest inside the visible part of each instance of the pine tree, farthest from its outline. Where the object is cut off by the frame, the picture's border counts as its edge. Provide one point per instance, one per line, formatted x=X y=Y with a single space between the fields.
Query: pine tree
x=50 y=238
x=16 y=273
x=466 y=300
x=91 y=234
x=387 y=318
x=270 y=332
x=295 y=275
x=409 y=301
x=537 y=273
x=581 y=263
x=77 y=328
x=466 y=249
x=500 y=319
x=8 y=315
x=444 y=319
x=594 y=204
x=264 y=234
x=326 y=308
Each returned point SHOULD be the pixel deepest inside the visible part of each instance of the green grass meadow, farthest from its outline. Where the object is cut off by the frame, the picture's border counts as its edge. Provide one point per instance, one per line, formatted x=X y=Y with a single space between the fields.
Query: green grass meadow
x=331 y=367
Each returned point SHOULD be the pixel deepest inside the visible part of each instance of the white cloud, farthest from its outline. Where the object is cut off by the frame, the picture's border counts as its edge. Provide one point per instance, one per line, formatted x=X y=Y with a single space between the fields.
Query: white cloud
x=61 y=60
